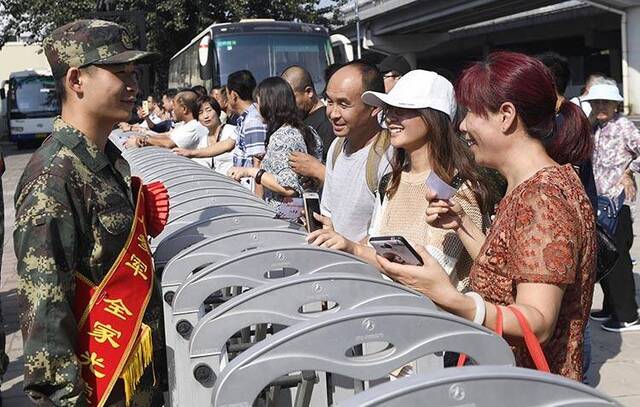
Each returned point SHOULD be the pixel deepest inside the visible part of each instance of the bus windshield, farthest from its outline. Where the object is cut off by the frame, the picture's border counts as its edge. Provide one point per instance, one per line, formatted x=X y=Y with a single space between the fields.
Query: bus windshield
x=33 y=94
x=268 y=54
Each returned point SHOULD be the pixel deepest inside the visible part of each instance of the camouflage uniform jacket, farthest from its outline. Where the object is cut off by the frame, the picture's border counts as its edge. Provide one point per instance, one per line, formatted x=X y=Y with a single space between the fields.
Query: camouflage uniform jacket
x=74 y=210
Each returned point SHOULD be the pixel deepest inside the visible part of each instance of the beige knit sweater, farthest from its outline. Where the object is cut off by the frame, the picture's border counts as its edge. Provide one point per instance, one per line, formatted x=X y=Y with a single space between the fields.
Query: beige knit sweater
x=404 y=215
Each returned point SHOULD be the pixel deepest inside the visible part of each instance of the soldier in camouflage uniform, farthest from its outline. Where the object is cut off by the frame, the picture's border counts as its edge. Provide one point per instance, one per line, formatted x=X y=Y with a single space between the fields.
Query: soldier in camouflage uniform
x=4 y=359
x=74 y=210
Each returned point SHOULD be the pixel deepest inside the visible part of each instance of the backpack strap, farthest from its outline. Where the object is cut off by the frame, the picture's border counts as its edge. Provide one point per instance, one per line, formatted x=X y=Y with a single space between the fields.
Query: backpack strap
x=376 y=152
x=336 y=151
x=220 y=131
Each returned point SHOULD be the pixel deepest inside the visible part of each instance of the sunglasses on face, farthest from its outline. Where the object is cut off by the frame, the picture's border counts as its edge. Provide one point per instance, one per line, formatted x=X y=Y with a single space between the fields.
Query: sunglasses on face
x=398 y=113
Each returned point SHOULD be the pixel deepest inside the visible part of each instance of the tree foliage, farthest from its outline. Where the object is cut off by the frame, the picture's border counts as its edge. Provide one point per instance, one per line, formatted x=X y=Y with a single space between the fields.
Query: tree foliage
x=169 y=24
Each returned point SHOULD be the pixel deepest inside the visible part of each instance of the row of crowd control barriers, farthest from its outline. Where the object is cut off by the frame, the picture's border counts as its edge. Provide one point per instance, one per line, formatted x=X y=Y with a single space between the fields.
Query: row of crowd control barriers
x=253 y=315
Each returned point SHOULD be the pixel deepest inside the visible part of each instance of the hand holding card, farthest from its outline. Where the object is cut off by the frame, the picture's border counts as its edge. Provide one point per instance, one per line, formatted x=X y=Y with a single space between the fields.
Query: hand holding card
x=442 y=190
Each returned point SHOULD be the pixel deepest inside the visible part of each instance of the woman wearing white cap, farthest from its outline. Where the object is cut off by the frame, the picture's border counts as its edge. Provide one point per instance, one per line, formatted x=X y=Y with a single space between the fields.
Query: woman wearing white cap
x=615 y=158
x=538 y=259
x=419 y=111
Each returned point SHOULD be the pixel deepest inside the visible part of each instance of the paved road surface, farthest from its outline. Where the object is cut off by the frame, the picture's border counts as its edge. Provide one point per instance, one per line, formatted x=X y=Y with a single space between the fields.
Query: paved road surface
x=616 y=358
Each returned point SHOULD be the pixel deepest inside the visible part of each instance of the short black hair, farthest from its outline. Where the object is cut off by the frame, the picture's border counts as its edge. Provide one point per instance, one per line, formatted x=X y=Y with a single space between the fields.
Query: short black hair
x=559 y=67
x=243 y=83
x=200 y=90
x=61 y=90
x=170 y=93
x=211 y=101
x=372 y=78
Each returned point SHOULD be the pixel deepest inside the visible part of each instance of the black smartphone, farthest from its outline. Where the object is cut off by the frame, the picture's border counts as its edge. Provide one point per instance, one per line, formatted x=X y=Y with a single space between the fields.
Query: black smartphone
x=396 y=249
x=311 y=206
x=457 y=181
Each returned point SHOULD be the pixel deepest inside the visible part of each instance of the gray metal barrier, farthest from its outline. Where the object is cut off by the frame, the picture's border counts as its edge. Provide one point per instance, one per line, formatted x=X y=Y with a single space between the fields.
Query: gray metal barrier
x=186 y=234
x=324 y=344
x=185 y=203
x=188 y=185
x=258 y=267
x=482 y=386
x=146 y=157
x=204 y=216
x=179 y=257
x=213 y=251
x=283 y=303
x=178 y=195
x=177 y=169
x=248 y=270
x=134 y=154
x=305 y=310
x=200 y=178
x=170 y=170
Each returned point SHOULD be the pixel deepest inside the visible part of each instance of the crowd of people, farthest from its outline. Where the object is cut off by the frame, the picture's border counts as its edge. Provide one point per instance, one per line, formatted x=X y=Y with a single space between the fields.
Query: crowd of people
x=513 y=248
x=535 y=171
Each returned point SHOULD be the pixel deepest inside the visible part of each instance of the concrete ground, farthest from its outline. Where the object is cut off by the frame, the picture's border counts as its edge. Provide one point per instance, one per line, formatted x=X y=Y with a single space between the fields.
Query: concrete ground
x=615 y=367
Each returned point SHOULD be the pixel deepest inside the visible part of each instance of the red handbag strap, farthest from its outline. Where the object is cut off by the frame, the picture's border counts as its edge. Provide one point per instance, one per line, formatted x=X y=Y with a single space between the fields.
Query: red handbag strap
x=499 y=323
x=530 y=339
x=463 y=358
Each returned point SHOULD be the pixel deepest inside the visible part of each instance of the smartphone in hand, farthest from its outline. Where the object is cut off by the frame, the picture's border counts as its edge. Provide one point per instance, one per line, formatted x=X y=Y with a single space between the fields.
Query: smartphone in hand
x=396 y=249
x=311 y=206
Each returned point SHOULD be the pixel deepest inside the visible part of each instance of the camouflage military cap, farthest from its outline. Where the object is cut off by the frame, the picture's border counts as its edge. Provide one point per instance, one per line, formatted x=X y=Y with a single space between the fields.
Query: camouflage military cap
x=91 y=42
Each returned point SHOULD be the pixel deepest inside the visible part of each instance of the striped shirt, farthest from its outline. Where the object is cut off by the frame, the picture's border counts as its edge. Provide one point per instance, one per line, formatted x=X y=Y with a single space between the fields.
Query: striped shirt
x=251 y=134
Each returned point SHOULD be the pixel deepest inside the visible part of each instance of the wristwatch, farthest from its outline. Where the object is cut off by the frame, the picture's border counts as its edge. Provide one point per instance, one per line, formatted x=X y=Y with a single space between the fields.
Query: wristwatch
x=258 y=176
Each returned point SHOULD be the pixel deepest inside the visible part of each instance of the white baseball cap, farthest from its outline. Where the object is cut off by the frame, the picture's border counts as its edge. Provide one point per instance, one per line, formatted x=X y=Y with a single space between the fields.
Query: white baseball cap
x=418 y=89
x=604 y=92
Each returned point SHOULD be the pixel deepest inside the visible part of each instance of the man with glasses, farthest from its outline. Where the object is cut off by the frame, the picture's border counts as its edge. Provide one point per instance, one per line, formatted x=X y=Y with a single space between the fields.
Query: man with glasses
x=359 y=156
x=393 y=68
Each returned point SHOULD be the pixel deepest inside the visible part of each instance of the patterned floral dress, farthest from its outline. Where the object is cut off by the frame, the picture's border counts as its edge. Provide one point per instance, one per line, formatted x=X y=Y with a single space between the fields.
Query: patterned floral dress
x=283 y=142
x=544 y=233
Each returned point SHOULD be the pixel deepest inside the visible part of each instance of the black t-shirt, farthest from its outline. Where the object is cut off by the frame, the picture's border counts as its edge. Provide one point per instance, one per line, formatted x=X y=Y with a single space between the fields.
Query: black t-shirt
x=321 y=124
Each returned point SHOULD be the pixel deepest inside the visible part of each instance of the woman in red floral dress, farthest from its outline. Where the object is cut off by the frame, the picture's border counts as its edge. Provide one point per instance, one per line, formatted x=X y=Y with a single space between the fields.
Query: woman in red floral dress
x=539 y=254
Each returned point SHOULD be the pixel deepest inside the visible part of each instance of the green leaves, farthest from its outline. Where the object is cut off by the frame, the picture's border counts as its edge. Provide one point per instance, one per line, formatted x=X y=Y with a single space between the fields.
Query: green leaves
x=169 y=24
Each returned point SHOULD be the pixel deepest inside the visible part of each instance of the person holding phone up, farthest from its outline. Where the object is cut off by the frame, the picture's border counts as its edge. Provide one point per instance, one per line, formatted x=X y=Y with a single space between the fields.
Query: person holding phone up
x=539 y=256
x=418 y=112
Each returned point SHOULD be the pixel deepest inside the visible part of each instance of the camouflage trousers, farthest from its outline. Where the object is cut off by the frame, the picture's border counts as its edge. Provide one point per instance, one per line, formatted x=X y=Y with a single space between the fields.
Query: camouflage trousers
x=4 y=359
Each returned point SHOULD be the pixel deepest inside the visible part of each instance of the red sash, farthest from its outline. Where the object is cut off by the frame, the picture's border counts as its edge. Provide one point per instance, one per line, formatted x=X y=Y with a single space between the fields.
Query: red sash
x=112 y=341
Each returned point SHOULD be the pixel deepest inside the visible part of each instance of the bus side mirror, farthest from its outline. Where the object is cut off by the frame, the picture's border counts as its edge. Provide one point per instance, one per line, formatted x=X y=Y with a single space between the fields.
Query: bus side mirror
x=3 y=95
x=205 y=60
x=342 y=48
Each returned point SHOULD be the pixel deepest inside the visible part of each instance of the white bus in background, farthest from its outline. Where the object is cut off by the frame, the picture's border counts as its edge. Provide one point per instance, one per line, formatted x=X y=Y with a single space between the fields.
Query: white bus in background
x=264 y=47
x=30 y=103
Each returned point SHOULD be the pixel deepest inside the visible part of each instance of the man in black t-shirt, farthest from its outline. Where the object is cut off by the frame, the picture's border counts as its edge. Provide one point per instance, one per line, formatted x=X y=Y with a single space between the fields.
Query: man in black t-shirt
x=315 y=116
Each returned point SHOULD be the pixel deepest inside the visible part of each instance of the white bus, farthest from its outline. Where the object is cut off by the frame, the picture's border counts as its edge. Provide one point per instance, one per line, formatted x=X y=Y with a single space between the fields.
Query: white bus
x=31 y=104
x=264 y=47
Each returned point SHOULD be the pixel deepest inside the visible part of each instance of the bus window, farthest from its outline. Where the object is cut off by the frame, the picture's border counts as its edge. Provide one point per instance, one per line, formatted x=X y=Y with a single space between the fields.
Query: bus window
x=237 y=52
x=32 y=95
x=268 y=54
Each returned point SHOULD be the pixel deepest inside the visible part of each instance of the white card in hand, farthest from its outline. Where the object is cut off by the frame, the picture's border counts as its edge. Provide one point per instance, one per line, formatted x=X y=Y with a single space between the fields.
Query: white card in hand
x=443 y=190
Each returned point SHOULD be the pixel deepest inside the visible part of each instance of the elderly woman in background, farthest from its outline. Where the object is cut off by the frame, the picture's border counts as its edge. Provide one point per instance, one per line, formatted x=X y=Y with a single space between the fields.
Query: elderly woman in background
x=615 y=159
